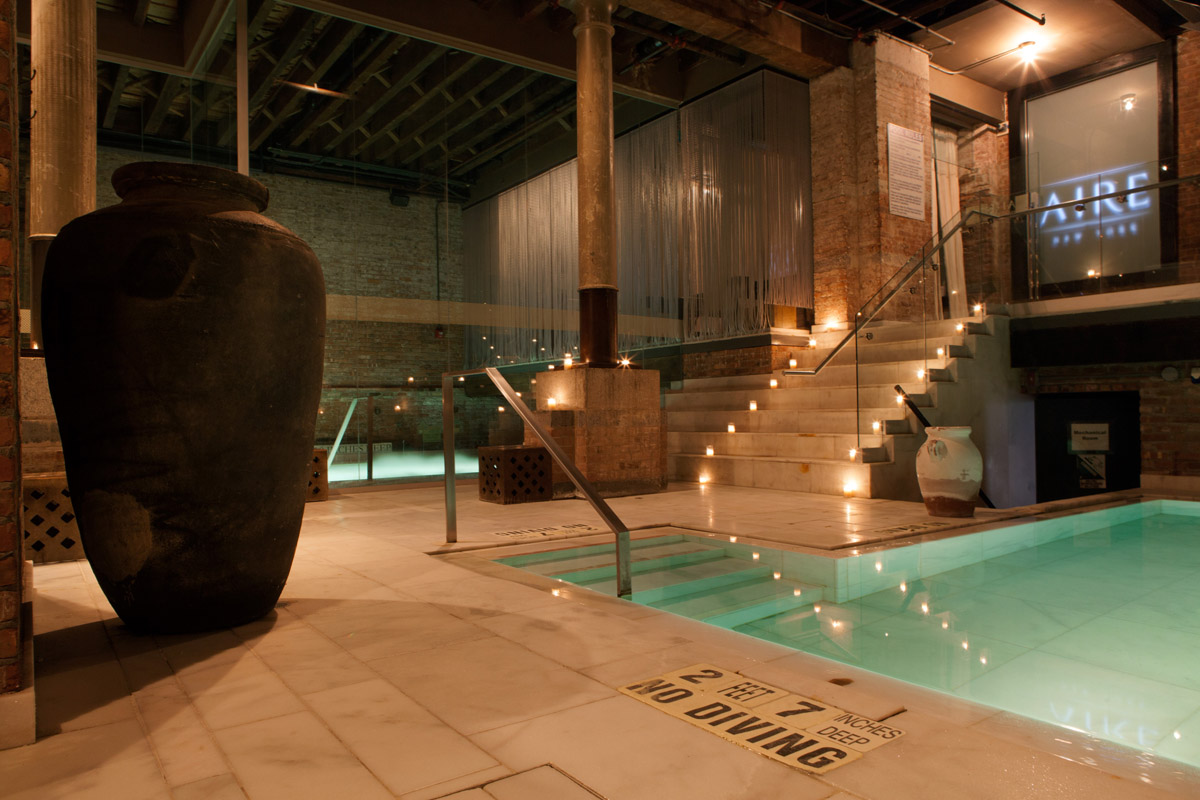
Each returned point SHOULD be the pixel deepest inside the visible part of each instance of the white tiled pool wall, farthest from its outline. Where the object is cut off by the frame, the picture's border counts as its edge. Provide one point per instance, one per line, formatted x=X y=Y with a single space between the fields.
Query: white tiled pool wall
x=847 y=577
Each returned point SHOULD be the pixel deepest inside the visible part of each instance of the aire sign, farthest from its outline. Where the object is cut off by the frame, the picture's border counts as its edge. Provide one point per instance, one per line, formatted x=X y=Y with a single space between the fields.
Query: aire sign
x=1121 y=216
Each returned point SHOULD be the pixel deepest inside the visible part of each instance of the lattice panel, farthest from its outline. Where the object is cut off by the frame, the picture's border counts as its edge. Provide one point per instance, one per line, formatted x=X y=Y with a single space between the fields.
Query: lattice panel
x=51 y=532
x=514 y=474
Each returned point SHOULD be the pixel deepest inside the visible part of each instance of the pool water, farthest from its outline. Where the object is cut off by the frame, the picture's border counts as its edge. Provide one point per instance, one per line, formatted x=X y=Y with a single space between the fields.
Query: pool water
x=1092 y=625
x=407 y=464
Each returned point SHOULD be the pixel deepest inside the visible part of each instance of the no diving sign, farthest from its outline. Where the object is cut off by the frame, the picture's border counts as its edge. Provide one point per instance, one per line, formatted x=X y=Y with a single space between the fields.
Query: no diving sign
x=789 y=728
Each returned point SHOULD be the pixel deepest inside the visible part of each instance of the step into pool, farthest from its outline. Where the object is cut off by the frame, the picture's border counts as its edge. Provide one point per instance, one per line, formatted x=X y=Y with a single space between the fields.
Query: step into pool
x=1089 y=621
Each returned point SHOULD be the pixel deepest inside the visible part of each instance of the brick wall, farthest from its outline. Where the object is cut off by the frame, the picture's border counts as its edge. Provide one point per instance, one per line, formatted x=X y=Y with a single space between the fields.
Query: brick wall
x=741 y=361
x=1187 y=109
x=10 y=532
x=857 y=242
x=1170 y=410
x=984 y=184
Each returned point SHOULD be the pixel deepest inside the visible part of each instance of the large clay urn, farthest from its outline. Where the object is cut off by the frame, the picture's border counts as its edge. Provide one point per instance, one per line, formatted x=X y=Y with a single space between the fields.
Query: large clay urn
x=184 y=336
x=949 y=472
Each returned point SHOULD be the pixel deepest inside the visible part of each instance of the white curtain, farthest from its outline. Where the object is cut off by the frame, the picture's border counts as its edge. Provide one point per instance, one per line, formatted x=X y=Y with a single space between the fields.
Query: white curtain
x=946 y=216
x=713 y=226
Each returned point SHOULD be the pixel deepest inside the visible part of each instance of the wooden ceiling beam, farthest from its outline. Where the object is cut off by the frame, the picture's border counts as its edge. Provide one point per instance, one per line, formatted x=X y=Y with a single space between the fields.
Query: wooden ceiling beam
x=550 y=115
x=784 y=42
x=167 y=92
x=401 y=83
x=406 y=110
x=467 y=97
x=140 y=10
x=467 y=26
x=336 y=41
x=114 y=98
x=493 y=105
x=388 y=44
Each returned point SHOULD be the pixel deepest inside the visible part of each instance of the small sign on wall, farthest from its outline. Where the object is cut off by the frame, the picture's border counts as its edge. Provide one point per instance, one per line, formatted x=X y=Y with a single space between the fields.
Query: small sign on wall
x=906 y=172
x=1089 y=437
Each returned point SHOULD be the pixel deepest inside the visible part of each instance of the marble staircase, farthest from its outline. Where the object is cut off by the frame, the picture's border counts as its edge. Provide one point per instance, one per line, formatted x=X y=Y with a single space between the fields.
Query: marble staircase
x=841 y=429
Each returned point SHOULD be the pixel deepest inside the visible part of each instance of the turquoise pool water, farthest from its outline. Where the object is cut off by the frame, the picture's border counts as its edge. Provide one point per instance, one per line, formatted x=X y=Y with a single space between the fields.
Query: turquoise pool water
x=1091 y=621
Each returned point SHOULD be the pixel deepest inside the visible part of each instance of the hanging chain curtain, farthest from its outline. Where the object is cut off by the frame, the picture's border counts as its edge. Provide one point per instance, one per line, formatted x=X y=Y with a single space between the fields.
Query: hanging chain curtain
x=713 y=228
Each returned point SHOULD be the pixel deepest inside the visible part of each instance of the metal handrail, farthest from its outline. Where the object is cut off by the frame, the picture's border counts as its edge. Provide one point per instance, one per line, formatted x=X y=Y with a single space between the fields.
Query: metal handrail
x=619 y=528
x=902 y=275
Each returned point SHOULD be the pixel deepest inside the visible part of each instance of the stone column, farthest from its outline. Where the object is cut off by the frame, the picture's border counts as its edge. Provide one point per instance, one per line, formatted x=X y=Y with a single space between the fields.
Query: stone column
x=62 y=132
x=597 y=220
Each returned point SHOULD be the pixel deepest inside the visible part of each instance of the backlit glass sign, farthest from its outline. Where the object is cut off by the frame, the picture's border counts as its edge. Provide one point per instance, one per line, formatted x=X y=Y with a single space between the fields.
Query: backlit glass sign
x=1092 y=139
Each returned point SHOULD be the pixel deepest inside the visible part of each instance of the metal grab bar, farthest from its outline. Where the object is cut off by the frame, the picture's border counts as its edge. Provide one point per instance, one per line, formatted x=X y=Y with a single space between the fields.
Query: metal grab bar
x=624 y=582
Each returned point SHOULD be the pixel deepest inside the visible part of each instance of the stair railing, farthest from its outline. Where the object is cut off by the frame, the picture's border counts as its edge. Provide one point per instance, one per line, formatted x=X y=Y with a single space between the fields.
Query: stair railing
x=899 y=280
x=619 y=528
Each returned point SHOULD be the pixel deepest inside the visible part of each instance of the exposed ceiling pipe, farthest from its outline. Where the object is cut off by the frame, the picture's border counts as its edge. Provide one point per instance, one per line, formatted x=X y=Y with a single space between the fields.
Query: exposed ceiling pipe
x=911 y=21
x=1039 y=20
x=815 y=20
x=982 y=61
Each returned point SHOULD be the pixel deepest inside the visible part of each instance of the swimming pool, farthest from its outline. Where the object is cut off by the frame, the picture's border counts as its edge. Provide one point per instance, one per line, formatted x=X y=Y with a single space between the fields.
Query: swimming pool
x=1089 y=621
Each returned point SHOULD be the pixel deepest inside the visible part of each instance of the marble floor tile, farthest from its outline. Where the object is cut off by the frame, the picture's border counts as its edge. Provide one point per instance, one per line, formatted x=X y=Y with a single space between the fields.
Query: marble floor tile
x=238 y=692
x=552 y=632
x=487 y=683
x=622 y=748
x=80 y=693
x=295 y=757
x=539 y=782
x=97 y=763
x=370 y=630
x=186 y=750
x=221 y=787
x=369 y=718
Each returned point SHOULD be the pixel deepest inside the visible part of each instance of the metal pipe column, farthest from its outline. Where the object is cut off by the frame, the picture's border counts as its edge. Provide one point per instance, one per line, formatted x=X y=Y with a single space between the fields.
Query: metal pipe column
x=597 y=220
x=62 y=131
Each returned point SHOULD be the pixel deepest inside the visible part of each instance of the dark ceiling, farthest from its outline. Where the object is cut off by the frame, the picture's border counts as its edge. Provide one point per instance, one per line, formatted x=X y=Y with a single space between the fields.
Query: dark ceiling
x=376 y=103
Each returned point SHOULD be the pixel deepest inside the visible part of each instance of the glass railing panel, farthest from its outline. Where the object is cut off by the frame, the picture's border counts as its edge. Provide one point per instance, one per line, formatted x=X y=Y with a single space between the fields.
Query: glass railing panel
x=1110 y=231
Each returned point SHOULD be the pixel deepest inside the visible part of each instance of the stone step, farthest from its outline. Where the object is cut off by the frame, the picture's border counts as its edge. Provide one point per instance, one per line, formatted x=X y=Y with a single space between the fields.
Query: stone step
x=894 y=419
x=800 y=446
x=874 y=352
x=834 y=375
x=744 y=602
x=665 y=585
x=638 y=566
x=820 y=476
x=791 y=398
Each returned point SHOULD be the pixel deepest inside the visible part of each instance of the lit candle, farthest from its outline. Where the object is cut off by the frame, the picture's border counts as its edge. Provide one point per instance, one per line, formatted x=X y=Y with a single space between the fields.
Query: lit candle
x=792 y=363
x=708 y=451
x=848 y=488
x=774 y=383
x=551 y=402
x=704 y=479
x=753 y=406
x=731 y=428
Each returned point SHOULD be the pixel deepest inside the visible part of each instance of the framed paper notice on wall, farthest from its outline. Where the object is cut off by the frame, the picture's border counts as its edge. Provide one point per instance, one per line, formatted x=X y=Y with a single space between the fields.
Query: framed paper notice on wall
x=906 y=172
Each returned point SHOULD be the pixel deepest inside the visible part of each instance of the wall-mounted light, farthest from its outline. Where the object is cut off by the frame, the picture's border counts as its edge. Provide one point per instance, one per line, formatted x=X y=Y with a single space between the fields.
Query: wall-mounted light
x=1128 y=101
